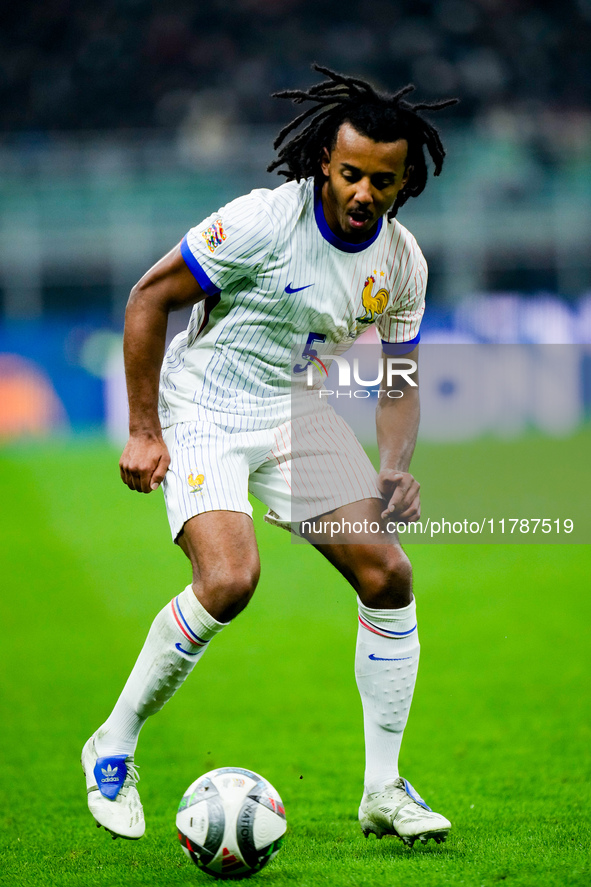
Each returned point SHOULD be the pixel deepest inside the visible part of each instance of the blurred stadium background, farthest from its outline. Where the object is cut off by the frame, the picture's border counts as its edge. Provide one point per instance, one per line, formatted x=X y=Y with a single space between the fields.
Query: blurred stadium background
x=125 y=124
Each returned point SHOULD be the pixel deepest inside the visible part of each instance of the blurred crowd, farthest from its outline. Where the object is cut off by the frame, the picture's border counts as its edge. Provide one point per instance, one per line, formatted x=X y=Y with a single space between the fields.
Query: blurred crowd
x=120 y=64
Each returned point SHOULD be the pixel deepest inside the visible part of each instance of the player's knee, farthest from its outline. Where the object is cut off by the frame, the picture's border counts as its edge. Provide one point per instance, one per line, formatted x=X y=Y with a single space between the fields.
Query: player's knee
x=242 y=585
x=230 y=589
x=387 y=585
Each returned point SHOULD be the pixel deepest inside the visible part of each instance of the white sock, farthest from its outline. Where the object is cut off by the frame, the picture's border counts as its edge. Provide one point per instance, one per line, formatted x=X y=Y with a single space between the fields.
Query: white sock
x=177 y=639
x=386 y=664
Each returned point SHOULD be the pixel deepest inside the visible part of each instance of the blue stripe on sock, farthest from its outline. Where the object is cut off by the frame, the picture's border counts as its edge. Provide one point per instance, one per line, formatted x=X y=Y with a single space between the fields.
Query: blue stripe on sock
x=186 y=624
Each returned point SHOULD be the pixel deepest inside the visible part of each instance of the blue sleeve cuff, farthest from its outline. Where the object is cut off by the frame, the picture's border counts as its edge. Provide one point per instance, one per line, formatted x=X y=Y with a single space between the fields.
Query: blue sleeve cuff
x=197 y=271
x=396 y=348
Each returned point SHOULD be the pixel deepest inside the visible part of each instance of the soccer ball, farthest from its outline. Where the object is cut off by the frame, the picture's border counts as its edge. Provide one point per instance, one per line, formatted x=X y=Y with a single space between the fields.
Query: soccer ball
x=231 y=822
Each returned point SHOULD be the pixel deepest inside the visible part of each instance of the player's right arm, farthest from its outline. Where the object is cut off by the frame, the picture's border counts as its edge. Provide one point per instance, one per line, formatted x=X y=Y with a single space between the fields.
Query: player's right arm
x=166 y=287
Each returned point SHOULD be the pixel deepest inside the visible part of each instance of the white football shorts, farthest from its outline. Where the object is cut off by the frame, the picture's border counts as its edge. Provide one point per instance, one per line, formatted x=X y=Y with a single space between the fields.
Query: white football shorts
x=299 y=470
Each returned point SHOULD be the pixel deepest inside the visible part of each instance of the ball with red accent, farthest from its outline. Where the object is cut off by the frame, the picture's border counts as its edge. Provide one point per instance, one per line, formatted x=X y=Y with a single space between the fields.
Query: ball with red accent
x=231 y=822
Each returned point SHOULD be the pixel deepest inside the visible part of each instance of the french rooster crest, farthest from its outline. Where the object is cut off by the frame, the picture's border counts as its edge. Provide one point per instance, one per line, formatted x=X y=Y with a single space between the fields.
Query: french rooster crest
x=195 y=482
x=373 y=304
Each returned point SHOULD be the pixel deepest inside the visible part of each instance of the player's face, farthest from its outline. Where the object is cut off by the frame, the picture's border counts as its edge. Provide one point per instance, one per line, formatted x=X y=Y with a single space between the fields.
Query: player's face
x=363 y=179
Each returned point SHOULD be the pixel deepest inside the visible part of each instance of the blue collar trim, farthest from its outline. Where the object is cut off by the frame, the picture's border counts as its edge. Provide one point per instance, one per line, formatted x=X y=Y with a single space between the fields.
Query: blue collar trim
x=333 y=238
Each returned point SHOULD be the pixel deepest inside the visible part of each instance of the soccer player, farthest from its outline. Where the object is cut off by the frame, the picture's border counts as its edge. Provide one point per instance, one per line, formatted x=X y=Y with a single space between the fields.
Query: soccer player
x=211 y=420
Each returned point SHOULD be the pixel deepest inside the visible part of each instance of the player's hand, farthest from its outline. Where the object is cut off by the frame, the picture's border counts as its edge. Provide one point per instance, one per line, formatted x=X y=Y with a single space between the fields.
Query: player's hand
x=144 y=462
x=401 y=491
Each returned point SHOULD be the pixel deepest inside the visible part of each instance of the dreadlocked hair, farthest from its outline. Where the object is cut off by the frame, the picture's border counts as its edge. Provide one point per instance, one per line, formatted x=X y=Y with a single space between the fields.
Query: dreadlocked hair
x=379 y=116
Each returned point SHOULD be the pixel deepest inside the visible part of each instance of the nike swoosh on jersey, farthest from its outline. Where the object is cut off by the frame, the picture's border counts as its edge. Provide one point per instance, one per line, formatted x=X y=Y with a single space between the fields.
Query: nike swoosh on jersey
x=289 y=290
x=381 y=658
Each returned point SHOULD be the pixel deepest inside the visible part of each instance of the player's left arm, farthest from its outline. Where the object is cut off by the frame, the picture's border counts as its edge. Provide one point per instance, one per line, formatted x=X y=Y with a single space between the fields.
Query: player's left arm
x=397 y=422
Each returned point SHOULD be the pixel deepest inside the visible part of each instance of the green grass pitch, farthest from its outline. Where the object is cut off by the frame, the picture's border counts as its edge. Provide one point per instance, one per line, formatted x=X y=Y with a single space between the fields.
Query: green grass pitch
x=498 y=738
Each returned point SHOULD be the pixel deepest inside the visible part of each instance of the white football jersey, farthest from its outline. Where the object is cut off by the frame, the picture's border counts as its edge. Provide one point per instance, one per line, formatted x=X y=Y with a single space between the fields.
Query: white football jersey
x=278 y=277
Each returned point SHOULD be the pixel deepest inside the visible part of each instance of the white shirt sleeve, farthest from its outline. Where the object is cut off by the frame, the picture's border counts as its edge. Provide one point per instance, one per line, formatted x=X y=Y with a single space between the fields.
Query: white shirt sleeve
x=229 y=245
x=401 y=320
